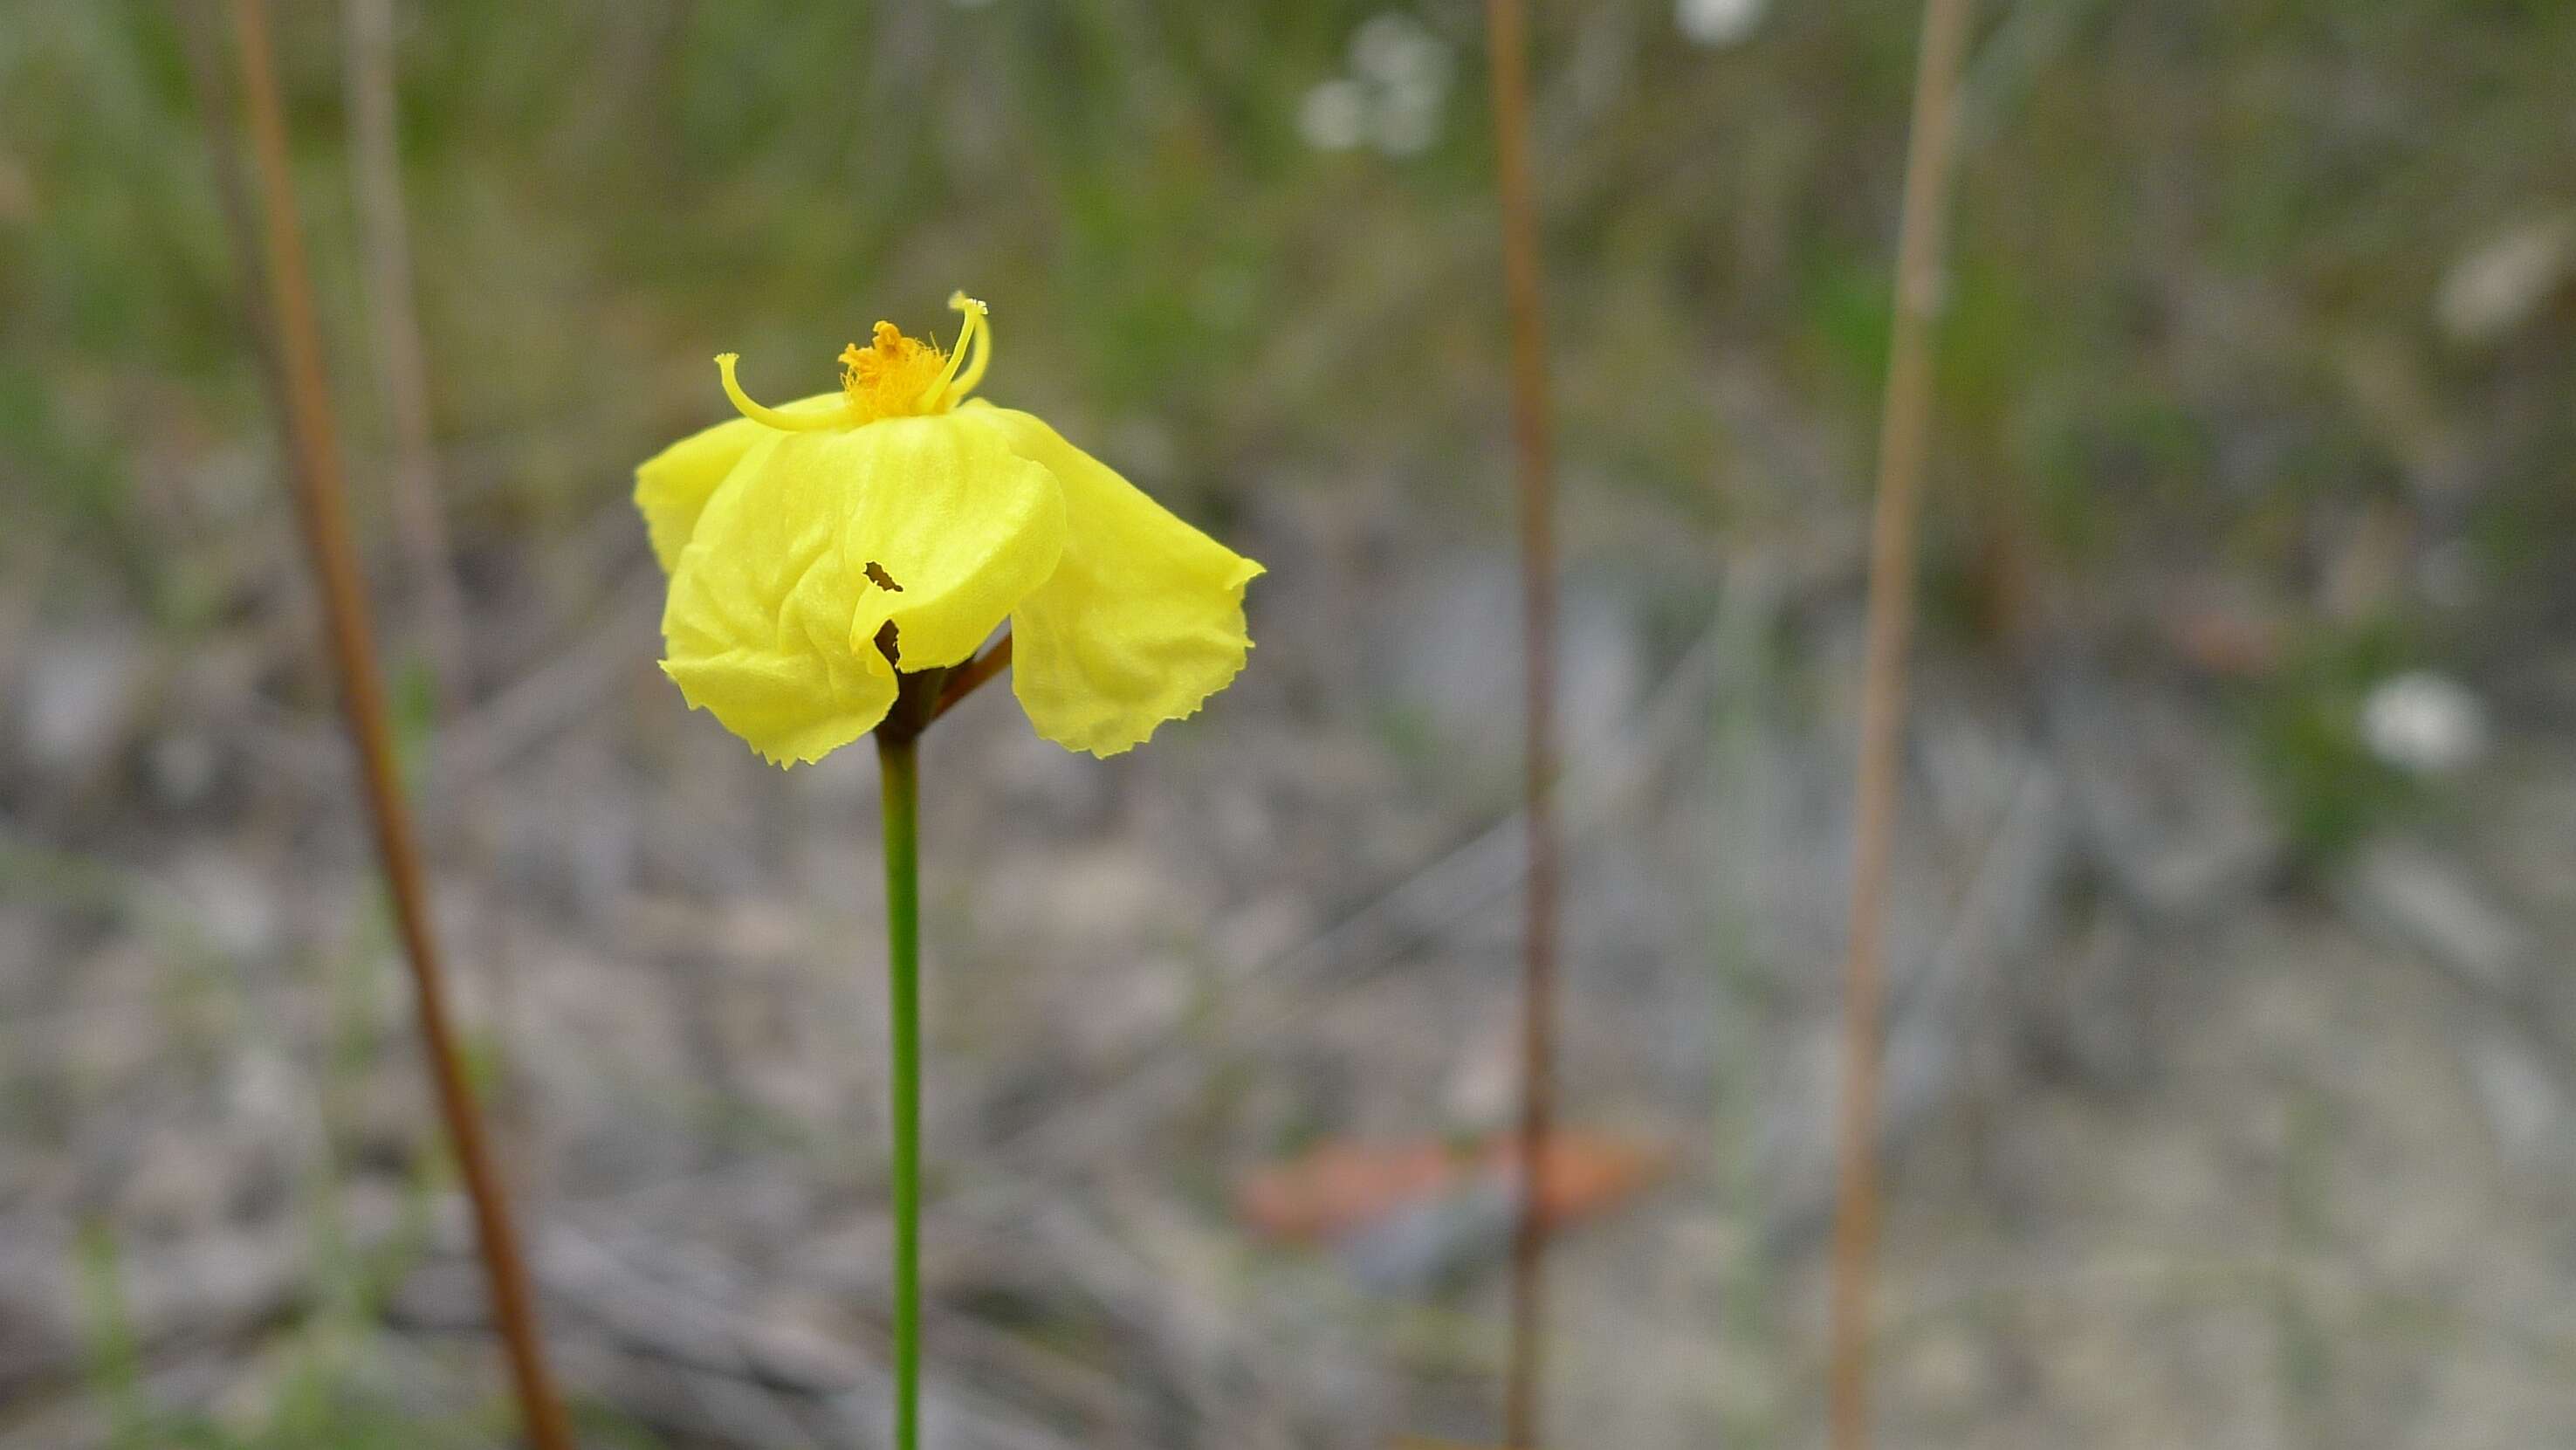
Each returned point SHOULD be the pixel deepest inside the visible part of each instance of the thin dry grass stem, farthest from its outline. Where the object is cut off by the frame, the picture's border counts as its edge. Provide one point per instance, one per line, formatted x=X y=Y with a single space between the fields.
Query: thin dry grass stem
x=962 y=680
x=1901 y=448
x=1507 y=39
x=402 y=372
x=321 y=499
x=201 y=47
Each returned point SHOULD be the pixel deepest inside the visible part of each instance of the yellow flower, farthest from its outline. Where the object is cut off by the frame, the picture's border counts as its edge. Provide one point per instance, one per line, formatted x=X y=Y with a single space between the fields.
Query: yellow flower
x=795 y=536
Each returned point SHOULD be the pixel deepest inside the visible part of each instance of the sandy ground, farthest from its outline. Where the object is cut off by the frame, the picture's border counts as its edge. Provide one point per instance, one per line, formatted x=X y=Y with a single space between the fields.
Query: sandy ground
x=2189 y=1147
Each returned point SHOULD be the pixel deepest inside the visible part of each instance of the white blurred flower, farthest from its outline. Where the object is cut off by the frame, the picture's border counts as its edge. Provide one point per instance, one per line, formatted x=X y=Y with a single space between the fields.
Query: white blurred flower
x=1717 y=22
x=1395 y=52
x=2500 y=285
x=1335 y=115
x=2423 y=722
x=1394 y=97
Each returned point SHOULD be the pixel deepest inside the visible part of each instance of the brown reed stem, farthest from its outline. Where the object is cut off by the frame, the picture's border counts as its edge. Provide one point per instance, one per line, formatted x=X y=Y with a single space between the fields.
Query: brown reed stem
x=1507 y=48
x=321 y=499
x=1901 y=447
x=402 y=369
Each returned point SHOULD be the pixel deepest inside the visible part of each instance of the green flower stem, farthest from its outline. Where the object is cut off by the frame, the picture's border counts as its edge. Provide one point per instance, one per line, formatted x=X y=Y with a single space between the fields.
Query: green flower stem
x=898 y=761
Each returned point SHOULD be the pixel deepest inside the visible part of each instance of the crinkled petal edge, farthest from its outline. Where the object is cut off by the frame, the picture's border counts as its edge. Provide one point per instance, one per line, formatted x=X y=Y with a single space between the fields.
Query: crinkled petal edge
x=1235 y=585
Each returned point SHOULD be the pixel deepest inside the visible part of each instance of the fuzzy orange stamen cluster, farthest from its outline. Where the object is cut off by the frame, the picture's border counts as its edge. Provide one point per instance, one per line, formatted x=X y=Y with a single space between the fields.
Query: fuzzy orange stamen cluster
x=893 y=377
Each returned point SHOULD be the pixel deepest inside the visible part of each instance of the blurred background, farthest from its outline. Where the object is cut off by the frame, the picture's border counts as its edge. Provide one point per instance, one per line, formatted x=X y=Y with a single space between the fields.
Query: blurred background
x=2231 y=1073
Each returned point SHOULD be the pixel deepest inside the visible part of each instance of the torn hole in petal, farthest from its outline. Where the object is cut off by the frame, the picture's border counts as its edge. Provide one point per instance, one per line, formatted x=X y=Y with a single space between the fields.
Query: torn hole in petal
x=889 y=638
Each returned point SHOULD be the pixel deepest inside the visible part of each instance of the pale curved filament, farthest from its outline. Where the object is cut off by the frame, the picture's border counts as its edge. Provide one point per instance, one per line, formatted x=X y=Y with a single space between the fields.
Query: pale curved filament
x=962 y=374
x=840 y=417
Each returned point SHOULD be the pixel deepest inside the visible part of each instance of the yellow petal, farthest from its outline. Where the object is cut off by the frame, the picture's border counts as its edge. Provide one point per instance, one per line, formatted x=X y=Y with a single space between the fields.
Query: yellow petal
x=962 y=525
x=672 y=487
x=773 y=612
x=1142 y=619
x=757 y=626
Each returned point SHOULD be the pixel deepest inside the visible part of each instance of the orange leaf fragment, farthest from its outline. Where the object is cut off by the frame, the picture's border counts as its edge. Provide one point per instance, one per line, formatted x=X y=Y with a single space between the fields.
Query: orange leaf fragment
x=1340 y=1188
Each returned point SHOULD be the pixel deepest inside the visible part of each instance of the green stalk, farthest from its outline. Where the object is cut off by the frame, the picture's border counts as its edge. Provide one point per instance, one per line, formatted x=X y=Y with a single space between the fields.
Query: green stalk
x=897 y=761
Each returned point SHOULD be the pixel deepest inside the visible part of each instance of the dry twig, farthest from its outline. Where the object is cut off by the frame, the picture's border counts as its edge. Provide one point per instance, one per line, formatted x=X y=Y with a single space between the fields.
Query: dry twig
x=1506 y=32
x=1902 y=430
x=322 y=506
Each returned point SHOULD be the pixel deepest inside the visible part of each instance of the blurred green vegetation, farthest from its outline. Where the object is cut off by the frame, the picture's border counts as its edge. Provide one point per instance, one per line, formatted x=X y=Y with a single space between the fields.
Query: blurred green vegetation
x=2326 y=786
x=2171 y=221
x=2175 y=224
